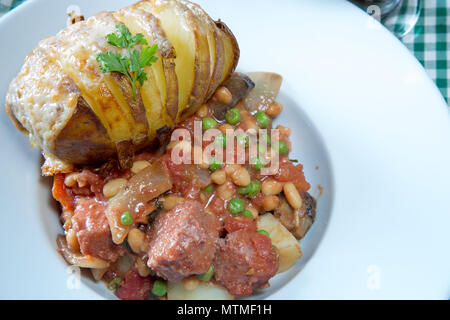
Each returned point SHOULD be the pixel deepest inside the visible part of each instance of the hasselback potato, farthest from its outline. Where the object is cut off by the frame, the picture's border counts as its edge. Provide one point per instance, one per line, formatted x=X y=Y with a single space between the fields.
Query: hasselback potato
x=79 y=115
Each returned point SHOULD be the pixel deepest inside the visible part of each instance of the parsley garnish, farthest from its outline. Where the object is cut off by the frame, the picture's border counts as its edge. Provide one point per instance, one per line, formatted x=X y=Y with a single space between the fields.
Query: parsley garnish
x=132 y=65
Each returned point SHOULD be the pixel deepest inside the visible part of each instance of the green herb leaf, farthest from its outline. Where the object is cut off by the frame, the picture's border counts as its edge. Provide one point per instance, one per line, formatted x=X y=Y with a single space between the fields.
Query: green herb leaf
x=110 y=61
x=132 y=65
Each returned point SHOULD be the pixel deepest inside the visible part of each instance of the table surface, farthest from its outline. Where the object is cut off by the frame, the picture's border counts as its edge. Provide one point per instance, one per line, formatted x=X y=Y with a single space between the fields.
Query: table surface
x=429 y=41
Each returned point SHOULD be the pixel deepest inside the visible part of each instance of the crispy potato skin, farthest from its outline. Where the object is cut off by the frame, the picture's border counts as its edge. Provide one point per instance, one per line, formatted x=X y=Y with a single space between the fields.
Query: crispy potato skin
x=86 y=134
x=216 y=61
x=202 y=61
x=78 y=115
x=234 y=46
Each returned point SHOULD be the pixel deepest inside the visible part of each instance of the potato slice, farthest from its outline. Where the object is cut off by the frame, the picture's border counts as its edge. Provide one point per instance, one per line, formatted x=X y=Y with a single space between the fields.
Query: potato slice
x=154 y=90
x=204 y=291
x=216 y=51
x=175 y=22
x=287 y=245
x=231 y=50
x=206 y=33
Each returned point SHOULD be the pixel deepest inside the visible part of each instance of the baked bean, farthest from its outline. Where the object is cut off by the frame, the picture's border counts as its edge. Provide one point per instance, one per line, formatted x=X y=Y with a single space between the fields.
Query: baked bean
x=136 y=240
x=292 y=195
x=219 y=176
x=224 y=127
x=190 y=283
x=224 y=95
x=112 y=187
x=202 y=111
x=71 y=179
x=270 y=203
x=238 y=174
x=171 y=201
x=72 y=240
x=274 y=109
x=226 y=190
x=271 y=187
x=139 y=166
x=254 y=212
x=203 y=165
x=142 y=268
x=231 y=168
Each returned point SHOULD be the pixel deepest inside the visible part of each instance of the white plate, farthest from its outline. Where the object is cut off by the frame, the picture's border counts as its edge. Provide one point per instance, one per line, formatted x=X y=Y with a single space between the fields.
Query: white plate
x=360 y=106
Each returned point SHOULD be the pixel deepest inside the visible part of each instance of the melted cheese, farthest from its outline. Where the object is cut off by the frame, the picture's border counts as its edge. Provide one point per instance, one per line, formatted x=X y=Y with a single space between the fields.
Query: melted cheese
x=75 y=49
x=42 y=98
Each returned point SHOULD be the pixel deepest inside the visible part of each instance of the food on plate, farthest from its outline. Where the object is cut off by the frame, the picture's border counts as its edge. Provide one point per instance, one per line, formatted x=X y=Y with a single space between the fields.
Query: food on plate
x=79 y=115
x=191 y=231
x=172 y=181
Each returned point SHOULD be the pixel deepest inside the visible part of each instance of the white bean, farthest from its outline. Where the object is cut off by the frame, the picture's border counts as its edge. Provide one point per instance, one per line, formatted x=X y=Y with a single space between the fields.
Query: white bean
x=136 y=239
x=219 y=177
x=139 y=166
x=292 y=195
x=112 y=187
x=72 y=240
x=271 y=187
x=171 y=201
x=71 y=179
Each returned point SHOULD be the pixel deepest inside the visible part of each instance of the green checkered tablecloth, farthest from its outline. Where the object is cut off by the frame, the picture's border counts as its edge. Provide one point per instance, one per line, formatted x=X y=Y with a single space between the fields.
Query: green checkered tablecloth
x=429 y=41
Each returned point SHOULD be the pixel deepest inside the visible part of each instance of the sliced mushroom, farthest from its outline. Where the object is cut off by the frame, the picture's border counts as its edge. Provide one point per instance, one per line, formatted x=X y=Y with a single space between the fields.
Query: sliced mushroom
x=239 y=85
x=298 y=222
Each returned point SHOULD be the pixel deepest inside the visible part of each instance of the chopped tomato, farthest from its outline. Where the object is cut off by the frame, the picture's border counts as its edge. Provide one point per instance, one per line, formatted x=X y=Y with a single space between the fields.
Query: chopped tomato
x=288 y=172
x=63 y=194
x=242 y=223
x=133 y=286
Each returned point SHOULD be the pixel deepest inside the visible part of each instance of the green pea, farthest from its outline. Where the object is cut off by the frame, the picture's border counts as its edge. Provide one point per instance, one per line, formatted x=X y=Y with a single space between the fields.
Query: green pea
x=221 y=140
x=215 y=164
x=282 y=147
x=259 y=164
x=208 y=123
x=114 y=283
x=126 y=219
x=251 y=190
x=247 y=213
x=208 y=189
x=233 y=116
x=264 y=232
x=159 y=288
x=243 y=139
x=236 y=206
x=207 y=275
x=263 y=119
